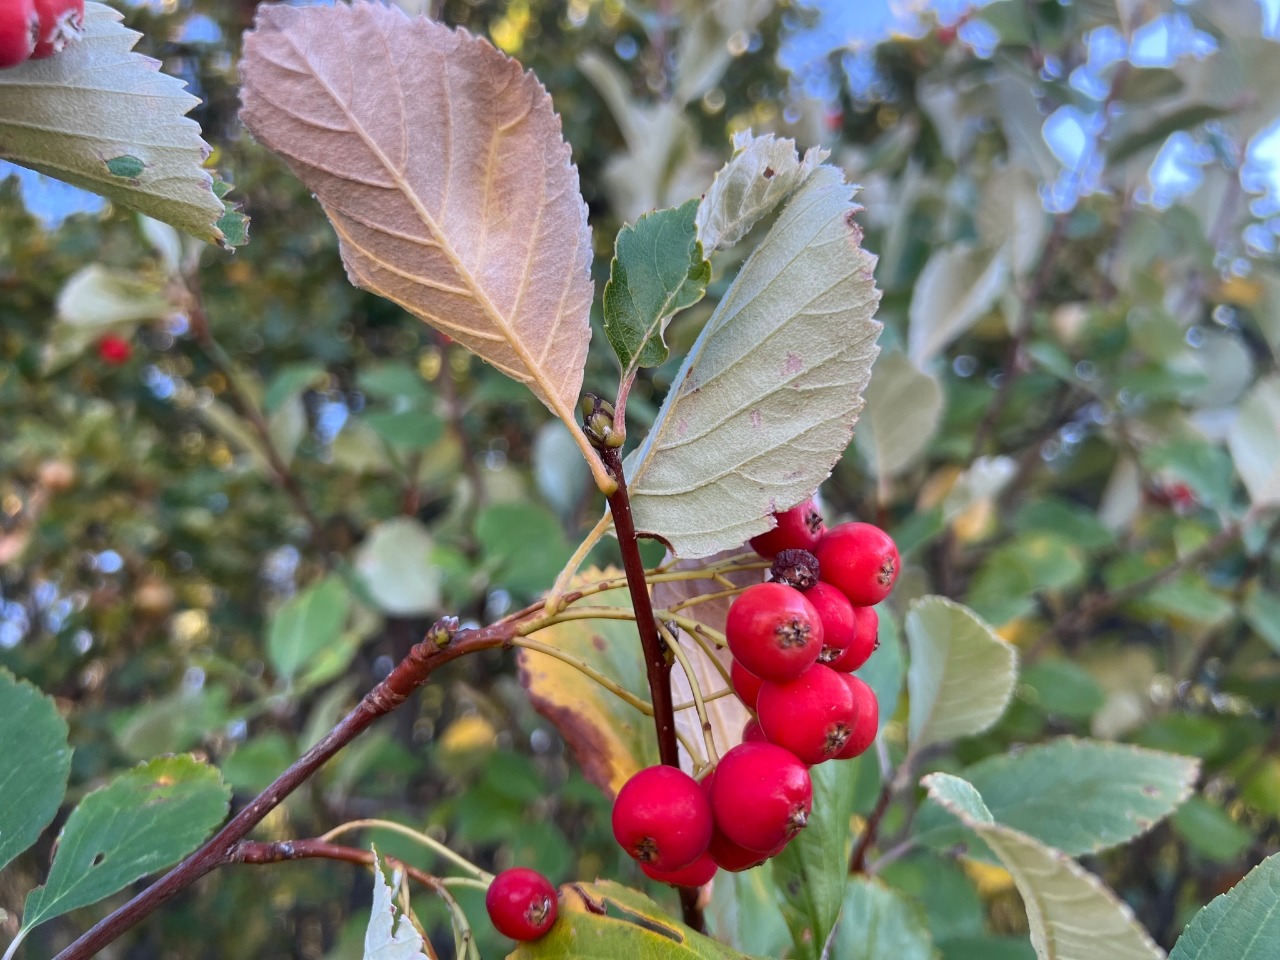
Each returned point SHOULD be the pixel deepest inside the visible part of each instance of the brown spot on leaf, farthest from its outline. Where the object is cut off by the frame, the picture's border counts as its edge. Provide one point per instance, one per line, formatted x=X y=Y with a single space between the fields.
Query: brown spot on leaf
x=768 y=173
x=597 y=641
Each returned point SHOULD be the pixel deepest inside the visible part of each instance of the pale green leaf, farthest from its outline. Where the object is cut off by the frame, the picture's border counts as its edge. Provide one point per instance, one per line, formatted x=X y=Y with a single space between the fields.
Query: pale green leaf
x=744 y=912
x=811 y=872
x=306 y=625
x=762 y=173
x=904 y=408
x=1072 y=914
x=607 y=921
x=1080 y=796
x=96 y=301
x=106 y=119
x=956 y=287
x=523 y=545
x=657 y=270
x=1261 y=610
x=394 y=562
x=390 y=935
x=961 y=674
x=142 y=821
x=1254 y=441
x=1241 y=924
x=1011 y=216
x=766 y=401
x=880 y=923
x=884 y=671
x=33 y=765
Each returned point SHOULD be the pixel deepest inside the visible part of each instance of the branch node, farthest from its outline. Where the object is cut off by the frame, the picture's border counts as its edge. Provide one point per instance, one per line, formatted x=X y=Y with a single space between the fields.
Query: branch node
x=442 y=632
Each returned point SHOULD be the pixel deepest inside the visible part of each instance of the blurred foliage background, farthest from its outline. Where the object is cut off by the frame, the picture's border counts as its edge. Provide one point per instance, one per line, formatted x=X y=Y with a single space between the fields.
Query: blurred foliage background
x=1075 y=209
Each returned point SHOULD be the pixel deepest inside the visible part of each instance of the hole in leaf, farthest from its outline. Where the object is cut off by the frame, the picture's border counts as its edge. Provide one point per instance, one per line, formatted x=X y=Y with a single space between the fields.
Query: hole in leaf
x=98 y=858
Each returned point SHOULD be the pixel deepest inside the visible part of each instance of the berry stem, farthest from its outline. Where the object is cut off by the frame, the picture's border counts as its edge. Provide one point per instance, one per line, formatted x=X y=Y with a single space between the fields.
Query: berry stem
x=431 y=843
x=656 y=664
x=554 y=600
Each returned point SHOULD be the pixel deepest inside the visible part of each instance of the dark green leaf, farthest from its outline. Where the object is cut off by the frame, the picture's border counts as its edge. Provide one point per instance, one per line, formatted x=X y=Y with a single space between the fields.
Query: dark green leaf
x=950 y=899
x=390 y=381
x=408 y=430
x=524 y=544
x=292 y=378
x=1064 y=689
x=879 y=923
x=1207 y=830
x=988 y=948
x=142 y=821
x=657 y=270
x=1242 y=924
x=34 y=763
x=1261 y=609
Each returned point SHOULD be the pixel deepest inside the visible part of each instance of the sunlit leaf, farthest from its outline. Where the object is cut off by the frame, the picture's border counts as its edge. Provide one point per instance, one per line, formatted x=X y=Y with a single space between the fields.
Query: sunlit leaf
x=1072 y=915
x=307 y=624
x=763 y=172
x=142 y=821
x=441 y=166
x=766 y=401
x=1080 y=796
x=1254 y=441
x=106 y=119
x=34 y=764
x=610 y=738
x=956 y=287
x=394 y=561
x=961 y=675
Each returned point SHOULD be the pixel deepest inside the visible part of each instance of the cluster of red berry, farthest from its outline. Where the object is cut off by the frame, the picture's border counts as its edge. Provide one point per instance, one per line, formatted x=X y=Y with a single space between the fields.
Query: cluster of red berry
x=794 y=642
x=35 y=29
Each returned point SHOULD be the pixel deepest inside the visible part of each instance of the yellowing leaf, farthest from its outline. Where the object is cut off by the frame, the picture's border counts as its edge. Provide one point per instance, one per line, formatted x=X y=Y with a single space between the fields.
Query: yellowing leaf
x=766 y=401
x=610 y=738
x=104 y=118
x=441 y=165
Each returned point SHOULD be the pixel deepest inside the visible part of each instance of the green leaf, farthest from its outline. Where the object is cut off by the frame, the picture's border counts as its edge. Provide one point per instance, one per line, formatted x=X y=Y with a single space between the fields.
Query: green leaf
x=105 y=119
x=408 y=430
x=1072 y=915
x=884 y=671
x=904 y=408
x=390 y=935
x=987 y=948
x=949 y=898
x=1064 y=689
x=1080 y=796
x=524 y=544
x=307 y=624
x=1254 y=441
x=811 y=872
x=763 y=172
x=1261 y=610
x=657 y=270
x=1241 y=924
x=744 y=912
x=394 y=564
x=607 y=921
x=394 y=381
x=610 y=738
x=1052 y=515
x=33 y=764
x=141 y=822
x=1210 y=832
x=764 y=404
x=1157 y=131
x=98 y=300
x=961 y=675
x=880 y=923
x=956 y=287
x=289 y=381
x=1205 y=467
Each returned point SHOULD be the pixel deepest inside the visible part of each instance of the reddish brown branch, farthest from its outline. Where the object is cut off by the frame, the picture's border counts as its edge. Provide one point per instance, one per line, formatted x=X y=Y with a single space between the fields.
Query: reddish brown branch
x=858 y=859
x=259 y=852
x=408 y=675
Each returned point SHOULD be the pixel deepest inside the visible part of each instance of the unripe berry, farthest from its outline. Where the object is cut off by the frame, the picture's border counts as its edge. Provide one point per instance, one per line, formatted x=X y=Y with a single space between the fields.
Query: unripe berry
x=662 y=818
x=61 y=22
x=745 y=684
x=521 y=903
x=19 y=30
x=813 y=716
x=762 y=796
x=865 y=641
x=694 y=875
x=773 y=631
x=799 y=528
x=839 y=628
x=867 y=724
x=860 y=560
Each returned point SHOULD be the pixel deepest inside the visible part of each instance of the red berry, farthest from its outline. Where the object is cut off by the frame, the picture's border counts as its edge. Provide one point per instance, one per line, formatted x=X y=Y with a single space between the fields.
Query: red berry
x=867 y=724
x=61 y=22
x=745 y=684
x=694 y=875
x=19 y=29
x=762 y=796
x=866 y=640
x=860 y=560
x=839 y=628
x=799 y=528
x=661 y=817
x=813 y=716
x=773 y=631
x=734 y=857
x=114 y=350
x=752 y=732
x=521 y=903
